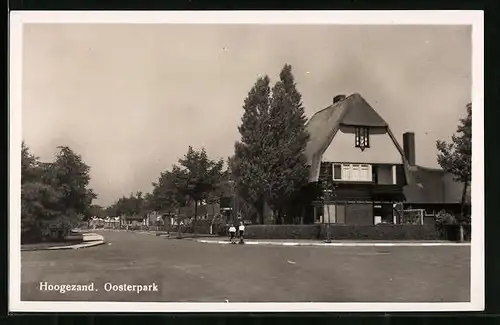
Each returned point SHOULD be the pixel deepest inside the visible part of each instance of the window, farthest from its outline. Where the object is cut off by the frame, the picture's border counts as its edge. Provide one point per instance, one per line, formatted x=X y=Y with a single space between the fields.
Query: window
x=355 y=176
x=337 y=172
x=365 y=173
x=362 y=138
x=346 y=172
x=352 y=172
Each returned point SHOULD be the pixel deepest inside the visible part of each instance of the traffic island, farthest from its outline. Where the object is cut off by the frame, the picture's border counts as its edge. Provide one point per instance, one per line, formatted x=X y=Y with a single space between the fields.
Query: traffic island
x=86 y=240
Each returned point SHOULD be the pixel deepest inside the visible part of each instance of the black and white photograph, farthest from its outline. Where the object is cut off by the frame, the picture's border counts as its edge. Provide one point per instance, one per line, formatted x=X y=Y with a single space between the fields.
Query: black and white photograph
x=246 y=161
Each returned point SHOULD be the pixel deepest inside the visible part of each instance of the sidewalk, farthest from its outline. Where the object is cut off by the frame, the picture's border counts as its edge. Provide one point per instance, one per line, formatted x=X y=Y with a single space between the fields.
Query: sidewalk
x=89 y=240
x=161 y=233
x=336 y=243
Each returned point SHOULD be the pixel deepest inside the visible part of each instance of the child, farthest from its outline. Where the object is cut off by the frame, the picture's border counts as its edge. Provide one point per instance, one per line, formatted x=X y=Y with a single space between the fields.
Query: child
x=232 y=233
x=241 y=229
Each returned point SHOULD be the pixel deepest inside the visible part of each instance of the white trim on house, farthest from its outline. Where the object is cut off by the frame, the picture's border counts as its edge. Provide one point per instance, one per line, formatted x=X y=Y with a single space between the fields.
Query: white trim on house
x=394 y=178
x=354 y=172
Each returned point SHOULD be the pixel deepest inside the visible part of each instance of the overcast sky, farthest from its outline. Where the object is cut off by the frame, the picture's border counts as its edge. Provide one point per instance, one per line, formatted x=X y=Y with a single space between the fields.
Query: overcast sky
x=131 y=98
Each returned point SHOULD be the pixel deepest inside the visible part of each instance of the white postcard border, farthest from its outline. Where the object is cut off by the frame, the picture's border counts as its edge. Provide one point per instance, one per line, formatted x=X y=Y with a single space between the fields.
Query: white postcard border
x=17 y=19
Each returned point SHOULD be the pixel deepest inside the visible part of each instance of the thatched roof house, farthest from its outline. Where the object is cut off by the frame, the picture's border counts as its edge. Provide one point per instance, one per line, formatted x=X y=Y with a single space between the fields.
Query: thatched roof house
x=423 y=185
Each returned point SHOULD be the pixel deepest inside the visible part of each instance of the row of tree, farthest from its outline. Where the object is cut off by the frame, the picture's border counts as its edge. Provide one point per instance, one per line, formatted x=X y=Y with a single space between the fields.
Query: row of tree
x=54 y=196
x=268 y=167
x=195 y=179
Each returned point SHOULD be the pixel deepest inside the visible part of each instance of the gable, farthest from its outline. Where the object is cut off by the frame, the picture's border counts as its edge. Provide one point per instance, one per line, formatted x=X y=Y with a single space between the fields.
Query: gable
x=381 y=150
x=324 y=125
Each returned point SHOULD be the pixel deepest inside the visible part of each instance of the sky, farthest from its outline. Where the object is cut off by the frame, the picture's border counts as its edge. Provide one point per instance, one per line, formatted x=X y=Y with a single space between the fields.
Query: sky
x=130 y=99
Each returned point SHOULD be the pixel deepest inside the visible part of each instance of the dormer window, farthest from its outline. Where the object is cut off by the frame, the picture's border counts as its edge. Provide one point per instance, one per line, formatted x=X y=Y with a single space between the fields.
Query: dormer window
x=362 y=138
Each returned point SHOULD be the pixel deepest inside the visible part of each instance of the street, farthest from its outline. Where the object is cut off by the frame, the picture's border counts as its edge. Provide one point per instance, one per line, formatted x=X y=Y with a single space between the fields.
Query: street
x=189 y=271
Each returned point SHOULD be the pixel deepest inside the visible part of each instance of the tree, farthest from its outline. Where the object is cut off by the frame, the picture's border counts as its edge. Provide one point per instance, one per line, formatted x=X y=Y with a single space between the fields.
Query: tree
x=289 y=138
x=165 y=196
x=70 y=177
x=196 y=177
x=269 y=165
x=29 y=165
x=456 y=157
x=53 y=195
x=97 y=211
x=249 y=166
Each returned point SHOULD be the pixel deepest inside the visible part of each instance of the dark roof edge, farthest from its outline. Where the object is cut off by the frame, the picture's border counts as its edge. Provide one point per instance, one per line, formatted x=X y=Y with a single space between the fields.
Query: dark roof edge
x=331 y=106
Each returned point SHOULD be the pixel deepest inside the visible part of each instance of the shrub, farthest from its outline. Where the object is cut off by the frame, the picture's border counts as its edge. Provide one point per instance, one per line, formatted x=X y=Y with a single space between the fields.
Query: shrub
x=448 y=226
x=381 y=232
x=343 y=232
x=283 y=231
x=445 y=218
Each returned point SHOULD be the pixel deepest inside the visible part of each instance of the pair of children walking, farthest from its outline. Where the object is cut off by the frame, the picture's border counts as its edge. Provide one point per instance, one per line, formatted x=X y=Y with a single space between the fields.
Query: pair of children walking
x=232 y=233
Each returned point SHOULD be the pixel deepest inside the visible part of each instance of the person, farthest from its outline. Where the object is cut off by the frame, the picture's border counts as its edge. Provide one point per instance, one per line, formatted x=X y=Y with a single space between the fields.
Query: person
x=232 y=233
x=241 y=229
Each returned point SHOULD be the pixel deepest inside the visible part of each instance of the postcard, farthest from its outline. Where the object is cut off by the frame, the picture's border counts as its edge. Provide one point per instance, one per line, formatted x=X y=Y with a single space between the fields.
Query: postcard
x=297 y=161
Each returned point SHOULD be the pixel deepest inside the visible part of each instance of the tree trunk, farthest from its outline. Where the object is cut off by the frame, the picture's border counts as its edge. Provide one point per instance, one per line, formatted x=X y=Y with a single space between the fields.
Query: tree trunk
x=462 y=210
x=259 y=209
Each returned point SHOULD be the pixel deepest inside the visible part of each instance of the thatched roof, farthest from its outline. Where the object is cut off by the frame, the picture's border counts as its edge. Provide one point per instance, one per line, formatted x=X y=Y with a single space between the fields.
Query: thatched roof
x=322 y=127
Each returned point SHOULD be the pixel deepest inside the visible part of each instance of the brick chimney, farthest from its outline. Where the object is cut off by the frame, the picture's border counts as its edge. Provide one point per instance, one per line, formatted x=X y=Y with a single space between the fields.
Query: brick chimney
x=338 y=98
x=409 y=147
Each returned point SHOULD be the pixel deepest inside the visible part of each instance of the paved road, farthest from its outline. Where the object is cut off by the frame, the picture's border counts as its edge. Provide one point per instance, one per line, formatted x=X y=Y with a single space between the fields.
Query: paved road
x=190 y=271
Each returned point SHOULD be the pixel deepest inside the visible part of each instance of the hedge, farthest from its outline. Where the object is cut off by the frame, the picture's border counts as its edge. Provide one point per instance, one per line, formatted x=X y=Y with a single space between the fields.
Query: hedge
x=452 y=232
x=382 y=232
x=343 y=232
x=202 y=228
x=283 y=231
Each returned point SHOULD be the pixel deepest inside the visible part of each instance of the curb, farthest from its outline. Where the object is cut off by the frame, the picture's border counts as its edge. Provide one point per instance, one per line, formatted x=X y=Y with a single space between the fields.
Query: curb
x=84 y=244
x=359 y=244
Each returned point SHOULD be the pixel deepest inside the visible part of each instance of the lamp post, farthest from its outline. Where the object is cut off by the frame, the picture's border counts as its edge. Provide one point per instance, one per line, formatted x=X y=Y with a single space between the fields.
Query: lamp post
x=330 y=195
x=233 y=201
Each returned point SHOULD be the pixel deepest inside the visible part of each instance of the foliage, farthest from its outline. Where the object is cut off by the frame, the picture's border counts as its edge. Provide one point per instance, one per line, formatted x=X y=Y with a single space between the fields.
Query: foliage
x=133 y=205
x=197 y=176
x=289 y=138
x=70 y=176
x=249 y=166
x=444 y=218
x=269 y=165
x=97 y=211
x=165 y=196
x=54 y=196
x=456 y=157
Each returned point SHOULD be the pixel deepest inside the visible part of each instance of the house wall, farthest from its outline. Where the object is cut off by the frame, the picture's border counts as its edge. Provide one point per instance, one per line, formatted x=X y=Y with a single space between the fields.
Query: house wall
x=343 y=149
x=384 y=174
x=359 y=214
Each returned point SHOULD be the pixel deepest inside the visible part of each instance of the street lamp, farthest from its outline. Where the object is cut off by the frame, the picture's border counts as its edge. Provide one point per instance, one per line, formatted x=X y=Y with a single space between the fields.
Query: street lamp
x=329 y=188
x=233 y=203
